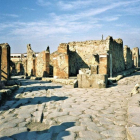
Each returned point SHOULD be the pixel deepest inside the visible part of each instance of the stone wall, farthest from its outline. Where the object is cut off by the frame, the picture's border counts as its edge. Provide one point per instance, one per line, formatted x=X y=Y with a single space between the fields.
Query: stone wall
x=128 y=57
x=42 y=64
x=61 y=62
x=89 y=53
x=52 y=56
x=17 y=68
x=135 y=56
x=30 y=61
x=5 y=61
x=36 y=65
x=84 y=54
x=116 y=49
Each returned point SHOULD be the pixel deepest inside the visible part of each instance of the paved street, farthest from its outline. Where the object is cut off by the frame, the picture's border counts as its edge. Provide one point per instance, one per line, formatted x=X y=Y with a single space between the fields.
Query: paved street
x=47 y=111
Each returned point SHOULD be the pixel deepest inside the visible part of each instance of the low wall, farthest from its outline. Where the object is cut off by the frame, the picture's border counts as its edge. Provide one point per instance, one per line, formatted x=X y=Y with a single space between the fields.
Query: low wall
x=93 y=80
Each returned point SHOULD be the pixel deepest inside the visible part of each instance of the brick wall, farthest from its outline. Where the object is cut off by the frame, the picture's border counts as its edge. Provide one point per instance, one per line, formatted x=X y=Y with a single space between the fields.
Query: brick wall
x=86 y=54
x=5 y=61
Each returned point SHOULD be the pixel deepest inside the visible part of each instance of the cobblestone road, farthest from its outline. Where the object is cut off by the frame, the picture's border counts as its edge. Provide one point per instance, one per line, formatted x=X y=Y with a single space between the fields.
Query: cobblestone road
x=48 y=111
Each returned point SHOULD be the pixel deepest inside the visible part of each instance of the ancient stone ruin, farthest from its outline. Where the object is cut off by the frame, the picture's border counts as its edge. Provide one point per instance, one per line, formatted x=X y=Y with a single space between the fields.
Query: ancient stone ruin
x=102 y=57
x=36 y=65
x=88 y=60
x=4 y=61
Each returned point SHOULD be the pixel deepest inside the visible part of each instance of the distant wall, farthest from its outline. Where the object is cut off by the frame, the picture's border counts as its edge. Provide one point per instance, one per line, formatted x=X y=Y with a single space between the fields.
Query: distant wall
x=89 y=53
x=135 y=56
x=129 y=63
x=116 y=49
x=17 y=68
x=36 y=65
x=42 y=64
x=61 y=62
x=82 y=54
x=30 y=61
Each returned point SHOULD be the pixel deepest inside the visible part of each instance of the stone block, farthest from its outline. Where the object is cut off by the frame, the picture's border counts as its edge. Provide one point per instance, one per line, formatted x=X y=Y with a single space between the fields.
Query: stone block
x=93 y=81
x=83 y=81
x=84 y=71
x=94 y=69
x=133 y=133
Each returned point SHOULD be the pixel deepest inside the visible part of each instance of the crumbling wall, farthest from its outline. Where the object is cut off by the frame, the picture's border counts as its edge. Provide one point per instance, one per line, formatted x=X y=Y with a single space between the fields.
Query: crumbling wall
x=94 y=54
x=17 y=68
x=84 y=54
x=116 y=49
x=42 y=64
x=24 y=63
x=36 y=66
x=61 y=62
x=135 y=56
x=5 y=61
x=128 y=57
x=30 y=61
x=52 y=56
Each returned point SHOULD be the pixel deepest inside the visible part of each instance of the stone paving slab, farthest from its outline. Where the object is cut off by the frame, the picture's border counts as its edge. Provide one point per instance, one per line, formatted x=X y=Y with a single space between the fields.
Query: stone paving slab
x=43 y=110
x=133 y=126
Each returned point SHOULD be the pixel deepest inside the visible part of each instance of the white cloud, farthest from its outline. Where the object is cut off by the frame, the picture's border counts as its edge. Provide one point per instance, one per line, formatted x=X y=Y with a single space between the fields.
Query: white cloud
x=43 y=2
x=25 y=8
x=10 y=15
x=63 y=5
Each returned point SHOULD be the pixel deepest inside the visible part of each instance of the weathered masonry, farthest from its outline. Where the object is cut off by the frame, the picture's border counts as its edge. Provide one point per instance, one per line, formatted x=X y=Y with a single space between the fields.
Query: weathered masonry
x=100 y=56
x=129 y=63
x=36 y=65
x=135 y=56
x=4 y=61
x=94 y=54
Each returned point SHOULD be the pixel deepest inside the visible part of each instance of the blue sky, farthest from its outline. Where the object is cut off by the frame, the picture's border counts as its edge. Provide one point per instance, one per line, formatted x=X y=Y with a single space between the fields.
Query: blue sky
x=51 y=22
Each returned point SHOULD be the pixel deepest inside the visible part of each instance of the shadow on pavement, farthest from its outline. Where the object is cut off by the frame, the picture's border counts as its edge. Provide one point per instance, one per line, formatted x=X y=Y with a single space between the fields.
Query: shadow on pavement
x=31 y=101
x=53 y=133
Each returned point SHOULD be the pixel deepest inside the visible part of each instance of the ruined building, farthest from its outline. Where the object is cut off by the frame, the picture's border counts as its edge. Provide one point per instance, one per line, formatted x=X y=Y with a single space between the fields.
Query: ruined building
x=4 y=61
x=36 y=65
x=97 y=59
x=101 y=56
